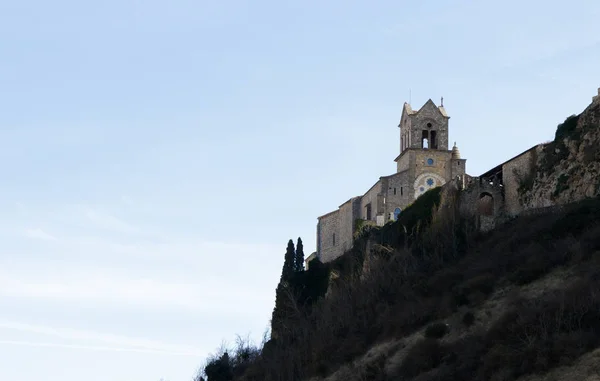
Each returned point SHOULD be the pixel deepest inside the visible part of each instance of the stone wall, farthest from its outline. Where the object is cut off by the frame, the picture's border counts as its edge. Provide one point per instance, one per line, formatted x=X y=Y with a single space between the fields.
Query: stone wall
x=327 y=227
x=474 y=202
x=397 y=191
x=403 y=163
x=516 y=173
x=441 y=163
x=404 y=133
x=458 y=167
x=375 y=198
x=348 y=213
x=429 y=113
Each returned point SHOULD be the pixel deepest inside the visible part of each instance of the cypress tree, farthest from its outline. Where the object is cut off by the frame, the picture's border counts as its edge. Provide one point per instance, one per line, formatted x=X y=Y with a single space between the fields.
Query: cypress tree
x=287 y=275
x=289 y=262
x=299 y=256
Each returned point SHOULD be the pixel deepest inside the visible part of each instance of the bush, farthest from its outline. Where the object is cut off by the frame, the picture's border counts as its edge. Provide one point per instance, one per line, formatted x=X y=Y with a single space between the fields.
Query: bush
x=480 y=284
x=425 y=355
x=468 y=318
x=436 y=330
x=408 y=290
x=558 y=328
x=553 y=154
x=561 y=185
x=567 y=128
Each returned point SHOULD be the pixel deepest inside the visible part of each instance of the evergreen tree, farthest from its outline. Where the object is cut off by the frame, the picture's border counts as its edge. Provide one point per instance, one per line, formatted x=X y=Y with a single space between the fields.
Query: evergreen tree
x=299 y=256
x=287 y=276
x=219 y=369
x=289 y=263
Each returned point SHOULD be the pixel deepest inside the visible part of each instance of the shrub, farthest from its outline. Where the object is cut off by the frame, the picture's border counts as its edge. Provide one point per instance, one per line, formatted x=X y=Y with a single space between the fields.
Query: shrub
x=483 y=283
x=436 y=330
x=533 y=336
x=468 y=318
x=561 y=185
x=405 y=292
x=474 y=290
x=567 y=128
x=425 y=355
x=553 y=154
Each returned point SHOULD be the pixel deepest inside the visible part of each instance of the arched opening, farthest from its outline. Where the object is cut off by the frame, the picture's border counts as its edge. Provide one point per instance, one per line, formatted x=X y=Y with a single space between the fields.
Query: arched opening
x=397 y=212
x=425 y=139
x=433 y=138
x=485 y=204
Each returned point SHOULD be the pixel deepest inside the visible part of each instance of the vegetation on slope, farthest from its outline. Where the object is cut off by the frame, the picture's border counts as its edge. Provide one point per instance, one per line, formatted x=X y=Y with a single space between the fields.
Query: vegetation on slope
x=301 y=314
x=422 y=287
x=428 y=298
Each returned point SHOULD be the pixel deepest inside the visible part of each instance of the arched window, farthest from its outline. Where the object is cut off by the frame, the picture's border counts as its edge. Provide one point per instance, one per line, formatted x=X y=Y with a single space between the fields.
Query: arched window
x=485 y=204
x=433 y=138
x=425 y=139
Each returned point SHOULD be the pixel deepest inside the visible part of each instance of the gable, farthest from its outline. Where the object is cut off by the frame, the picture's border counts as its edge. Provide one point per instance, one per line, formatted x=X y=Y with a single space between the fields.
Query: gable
x=429 y=108
x=406 y=112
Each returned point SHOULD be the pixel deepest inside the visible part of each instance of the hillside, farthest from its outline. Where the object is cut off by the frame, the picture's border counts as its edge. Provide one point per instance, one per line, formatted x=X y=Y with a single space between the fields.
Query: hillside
x=429 y=298
x=568 y=169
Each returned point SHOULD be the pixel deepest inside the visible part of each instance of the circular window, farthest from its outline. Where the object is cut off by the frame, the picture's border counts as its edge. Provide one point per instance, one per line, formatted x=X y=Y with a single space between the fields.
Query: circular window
x=422 y=189
x=430 y=181
x=428 y=125
x=430 y=161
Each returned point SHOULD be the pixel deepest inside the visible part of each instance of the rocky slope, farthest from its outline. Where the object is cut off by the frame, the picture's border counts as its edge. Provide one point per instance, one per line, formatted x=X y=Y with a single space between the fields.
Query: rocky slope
x=568 y=167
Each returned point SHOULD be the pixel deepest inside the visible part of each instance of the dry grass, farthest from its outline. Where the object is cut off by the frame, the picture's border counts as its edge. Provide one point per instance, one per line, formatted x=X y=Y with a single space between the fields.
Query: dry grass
x=372 y=325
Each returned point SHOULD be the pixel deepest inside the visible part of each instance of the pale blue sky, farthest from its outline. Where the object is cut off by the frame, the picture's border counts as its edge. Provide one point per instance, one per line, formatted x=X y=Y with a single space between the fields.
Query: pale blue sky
x=157 y=155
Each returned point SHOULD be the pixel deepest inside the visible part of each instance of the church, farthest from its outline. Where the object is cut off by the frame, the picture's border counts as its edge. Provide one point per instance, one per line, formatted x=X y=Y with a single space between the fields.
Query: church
x=424 y=162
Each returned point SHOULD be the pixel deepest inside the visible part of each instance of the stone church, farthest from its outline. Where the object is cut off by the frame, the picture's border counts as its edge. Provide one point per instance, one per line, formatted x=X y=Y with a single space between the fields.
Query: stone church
x=424 y=162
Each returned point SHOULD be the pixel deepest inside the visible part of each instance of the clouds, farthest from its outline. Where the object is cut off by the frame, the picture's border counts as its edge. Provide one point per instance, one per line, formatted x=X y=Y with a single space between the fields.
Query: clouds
x=103 y=220
x=39 y=234
x=129 y=288
x=74 y=221
x=90 y=340
x=37 y=344
x=103 y=259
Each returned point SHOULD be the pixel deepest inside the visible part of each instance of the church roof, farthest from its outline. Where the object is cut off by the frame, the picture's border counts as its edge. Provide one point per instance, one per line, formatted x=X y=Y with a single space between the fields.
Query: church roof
x=352 y=199
x=328 y=214
x=409 y=110
x=443 y=111
x=500 y=166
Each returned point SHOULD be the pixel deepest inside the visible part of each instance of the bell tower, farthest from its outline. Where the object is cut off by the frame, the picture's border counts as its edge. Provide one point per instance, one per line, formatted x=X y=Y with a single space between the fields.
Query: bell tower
x=426 y=128
x=425 y=160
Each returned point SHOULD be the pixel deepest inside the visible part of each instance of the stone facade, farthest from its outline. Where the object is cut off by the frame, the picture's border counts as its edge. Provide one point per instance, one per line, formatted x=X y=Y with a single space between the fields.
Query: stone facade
x=483 y=200
x=518 y=186
x=347 y=221
x=327 y=229
x=515 y=187
x=515 y=173
x=424 y=162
